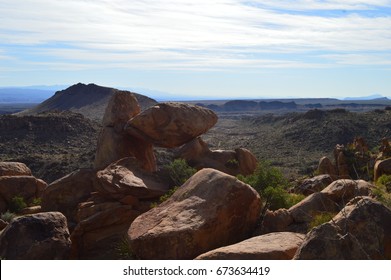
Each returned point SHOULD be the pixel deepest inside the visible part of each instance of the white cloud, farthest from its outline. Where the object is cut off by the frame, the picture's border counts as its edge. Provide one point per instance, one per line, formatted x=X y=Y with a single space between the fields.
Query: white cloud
x=189 y=34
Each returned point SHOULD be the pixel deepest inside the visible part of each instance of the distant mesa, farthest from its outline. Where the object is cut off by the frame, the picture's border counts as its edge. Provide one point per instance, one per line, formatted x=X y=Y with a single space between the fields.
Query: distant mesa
x=90 y=100
x=250 y=105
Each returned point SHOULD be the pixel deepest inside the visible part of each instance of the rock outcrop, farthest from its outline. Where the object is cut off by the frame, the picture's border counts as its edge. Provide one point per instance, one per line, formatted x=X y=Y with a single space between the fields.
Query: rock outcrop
x=315 y=184
x=212 y=209
x=14 y=169
x=382 y=167
x=42 y=236
x=171 y=125
x=272 y=246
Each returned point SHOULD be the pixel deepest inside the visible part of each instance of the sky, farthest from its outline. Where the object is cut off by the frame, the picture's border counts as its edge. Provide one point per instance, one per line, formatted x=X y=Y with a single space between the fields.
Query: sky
x=201 y=48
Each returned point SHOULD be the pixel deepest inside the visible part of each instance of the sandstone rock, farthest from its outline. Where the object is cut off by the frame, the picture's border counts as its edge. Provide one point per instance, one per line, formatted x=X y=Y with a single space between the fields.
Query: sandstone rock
x=370 y=223
x=14 y=169
x=101 y=226
x=42 y=236
x=343 y=190
x=171 y=124
x=341 y=162
x=305 y=210
x=113 y=142
x=326 y=167
x=198 y=155
x=124 y=178
x=66 y=193
x=382 y=167
x=31 y=210
x=326 y=242
x=315 y=184
x=272 y=246
x=27 y=187
x=210 y=210
x=275 y=221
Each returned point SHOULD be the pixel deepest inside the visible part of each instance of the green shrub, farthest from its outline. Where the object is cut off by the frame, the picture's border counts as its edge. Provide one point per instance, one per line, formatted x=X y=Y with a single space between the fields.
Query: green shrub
x=381 y=194
x=36 y=201
x=385 y=180
x=123 y=250
x=17 y=204
x=272 y=186
x=7 y=216
x=180 y=171
x=321 y=218
x=232 y=163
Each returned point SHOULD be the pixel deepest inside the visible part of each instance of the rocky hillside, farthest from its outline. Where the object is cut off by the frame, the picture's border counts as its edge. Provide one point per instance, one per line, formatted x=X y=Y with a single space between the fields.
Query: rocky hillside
x=90 y=100
x=51 y=144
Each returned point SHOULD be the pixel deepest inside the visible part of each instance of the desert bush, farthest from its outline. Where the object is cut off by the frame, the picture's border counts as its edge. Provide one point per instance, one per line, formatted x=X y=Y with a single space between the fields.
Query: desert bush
x=381 y=194
x=17 y=204
x=385 y=180
x=36 y=201
x=272 y=186
x=123 y=250
x=179 y=171
x=321 y=218
x=7 y=216
x=164 y=197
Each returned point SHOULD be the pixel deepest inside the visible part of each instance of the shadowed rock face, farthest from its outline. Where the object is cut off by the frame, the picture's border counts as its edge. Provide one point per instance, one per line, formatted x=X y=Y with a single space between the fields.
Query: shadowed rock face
x=212 y=209
x=42 y=236
x=171 y=124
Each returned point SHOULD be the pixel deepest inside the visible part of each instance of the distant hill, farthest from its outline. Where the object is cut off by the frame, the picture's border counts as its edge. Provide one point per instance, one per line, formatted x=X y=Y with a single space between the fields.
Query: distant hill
x=370 y=97
x=24 y=95
x=90 y=100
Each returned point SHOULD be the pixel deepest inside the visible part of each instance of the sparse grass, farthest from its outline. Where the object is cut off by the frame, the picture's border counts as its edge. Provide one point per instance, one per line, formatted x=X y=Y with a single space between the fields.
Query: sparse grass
x=7 y=216
x=321 y=218
x=123 y=249
x=36 y=201
x=164 y=197
x=382 y=195
x=17 y=204
x=385 y=180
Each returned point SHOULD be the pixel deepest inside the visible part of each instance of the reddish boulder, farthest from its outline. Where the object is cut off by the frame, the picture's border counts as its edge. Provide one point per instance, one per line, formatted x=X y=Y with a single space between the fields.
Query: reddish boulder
x=212 y=209
x=171 y=125
x=274 y=221
x=14 y=169
x=272 y=246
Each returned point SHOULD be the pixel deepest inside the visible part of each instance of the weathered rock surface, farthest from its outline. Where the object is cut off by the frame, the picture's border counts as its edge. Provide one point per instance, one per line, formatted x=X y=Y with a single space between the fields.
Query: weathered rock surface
x=326 y=242
x=315 y=184
x=14 y=169
x=3 y=224
x=212 y=209
x=343 y=190
x=382 y=167
x=65 y=194
x=198 y=155
x=27 y=187
x=42 y=236
x=125 y=177
x=326 y=167
x=113 y=142
x=272 y=246
x=276 y=221
x=171 y=124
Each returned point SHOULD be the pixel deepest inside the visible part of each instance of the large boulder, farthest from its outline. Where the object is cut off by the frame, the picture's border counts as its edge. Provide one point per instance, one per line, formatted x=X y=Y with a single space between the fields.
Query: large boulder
x=14 y=169
x=326 y=242
x=212 y=209
x=382 y=167
x=126 y=178
x=27 y=187
x=343 y=190
x=233 y=162
x=272 y=246
x=113 y=142
x=274 y=221
x=42 y=236
x=171 y=125
x=65 y=194
x=326 y=167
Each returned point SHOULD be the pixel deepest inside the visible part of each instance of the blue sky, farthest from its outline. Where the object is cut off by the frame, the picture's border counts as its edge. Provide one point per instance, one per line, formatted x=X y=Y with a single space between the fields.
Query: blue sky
x=204 y=48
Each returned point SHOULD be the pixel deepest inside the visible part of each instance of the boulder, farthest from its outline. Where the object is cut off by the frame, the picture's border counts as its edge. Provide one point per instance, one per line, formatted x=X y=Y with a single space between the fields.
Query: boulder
x=212 y=209
x=272 y=246
x=42 y=236
x=113 y=142
x=3 y=224
x=126 y=178
x=382 y=167
x=326 y=167
x=14 y=169
x=369 y=222
x=274 y=221
x=326 y=242
x=65 y=194
x=198 y=155
x=343 y=190
x=27 y=187
x=315 y=184
x=171 y=125
x=101 y=226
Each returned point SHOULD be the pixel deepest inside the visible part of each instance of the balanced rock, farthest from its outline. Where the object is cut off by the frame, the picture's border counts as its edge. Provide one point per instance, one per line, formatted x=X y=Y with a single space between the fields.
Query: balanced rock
x=113 y=142
x=171 y=124
x=272 y=246
x=42 y=236
x=14 y=169
x=126 y=178
x=27 y=187
x=212 y=209
x=65 y=194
